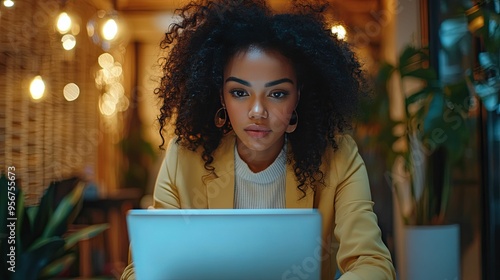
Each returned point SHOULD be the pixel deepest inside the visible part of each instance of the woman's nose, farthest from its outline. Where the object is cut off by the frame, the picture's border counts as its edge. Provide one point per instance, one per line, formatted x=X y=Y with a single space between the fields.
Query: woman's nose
x=257 y=111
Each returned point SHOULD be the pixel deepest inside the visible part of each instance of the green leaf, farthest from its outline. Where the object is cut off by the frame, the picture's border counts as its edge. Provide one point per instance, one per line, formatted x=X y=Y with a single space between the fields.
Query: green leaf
x=458 y=96
x=42 y=241
x=385 y=72
x=76 y=210
x=33 y=260
x=435 y=111
x=426 y=74
x=85 y=233
x=45 y=210
x=408 y=56
x=31 y=212
x=27 y=232
x=419 y=95
x=57 y=266
x=414 y=62
x=58 y=223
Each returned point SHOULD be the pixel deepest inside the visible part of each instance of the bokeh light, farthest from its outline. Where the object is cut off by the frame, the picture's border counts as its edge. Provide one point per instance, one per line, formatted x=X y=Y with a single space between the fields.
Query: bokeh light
x=63 y=23
x=107 y=104
x=109 y=29
x=71 y=91
x=105 y=29
x=68 y=42
x=8 y=3
x=106 y=61
x=340 y=31
x=37 y=88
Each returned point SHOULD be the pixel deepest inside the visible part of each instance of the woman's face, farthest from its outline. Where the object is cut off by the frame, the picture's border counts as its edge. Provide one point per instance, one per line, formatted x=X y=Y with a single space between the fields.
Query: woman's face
x=260 y=93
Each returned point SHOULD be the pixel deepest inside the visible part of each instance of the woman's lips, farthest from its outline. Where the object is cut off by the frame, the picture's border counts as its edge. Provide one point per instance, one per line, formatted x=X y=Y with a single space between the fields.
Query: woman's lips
x=257 y=131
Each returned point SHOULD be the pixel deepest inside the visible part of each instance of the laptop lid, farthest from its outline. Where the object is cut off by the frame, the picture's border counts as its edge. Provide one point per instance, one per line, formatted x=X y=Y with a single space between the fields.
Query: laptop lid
x=218 y=244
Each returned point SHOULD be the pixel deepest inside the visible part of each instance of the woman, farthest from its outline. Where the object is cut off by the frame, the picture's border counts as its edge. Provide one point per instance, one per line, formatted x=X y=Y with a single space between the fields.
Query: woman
x=260 y=103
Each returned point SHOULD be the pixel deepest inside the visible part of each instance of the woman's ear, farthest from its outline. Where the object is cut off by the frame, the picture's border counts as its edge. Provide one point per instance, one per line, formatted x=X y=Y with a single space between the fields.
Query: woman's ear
x=221 y=96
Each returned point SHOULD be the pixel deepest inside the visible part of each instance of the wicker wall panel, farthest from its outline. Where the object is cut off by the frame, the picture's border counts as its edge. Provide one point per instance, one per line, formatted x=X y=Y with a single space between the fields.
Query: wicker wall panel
x=49 y=139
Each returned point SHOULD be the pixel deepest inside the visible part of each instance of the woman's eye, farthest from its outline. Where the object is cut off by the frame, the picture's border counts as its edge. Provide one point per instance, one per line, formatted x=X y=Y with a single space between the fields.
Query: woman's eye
x=238 y=93
x=278 y=94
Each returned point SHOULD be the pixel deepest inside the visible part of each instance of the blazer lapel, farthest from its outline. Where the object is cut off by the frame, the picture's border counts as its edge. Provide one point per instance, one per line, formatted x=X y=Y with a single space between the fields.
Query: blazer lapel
x=220 y=189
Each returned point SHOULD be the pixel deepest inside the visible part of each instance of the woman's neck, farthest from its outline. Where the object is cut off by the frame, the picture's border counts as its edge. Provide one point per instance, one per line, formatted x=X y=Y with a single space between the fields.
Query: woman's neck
x=258 y=160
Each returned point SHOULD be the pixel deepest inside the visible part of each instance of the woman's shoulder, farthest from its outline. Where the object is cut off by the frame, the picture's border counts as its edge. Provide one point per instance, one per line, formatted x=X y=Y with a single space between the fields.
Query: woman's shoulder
x=175 y=150
x=345 y=145
x=342 y=161
x=344 y=155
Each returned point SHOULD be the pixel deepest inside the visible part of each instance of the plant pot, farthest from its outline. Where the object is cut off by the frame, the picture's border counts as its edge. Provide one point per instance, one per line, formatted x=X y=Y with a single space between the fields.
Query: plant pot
x=431 y=252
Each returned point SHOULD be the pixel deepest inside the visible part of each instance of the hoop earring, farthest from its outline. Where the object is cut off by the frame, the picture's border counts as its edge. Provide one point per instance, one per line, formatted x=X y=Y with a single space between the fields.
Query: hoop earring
x=294 y=120
x=220 y=117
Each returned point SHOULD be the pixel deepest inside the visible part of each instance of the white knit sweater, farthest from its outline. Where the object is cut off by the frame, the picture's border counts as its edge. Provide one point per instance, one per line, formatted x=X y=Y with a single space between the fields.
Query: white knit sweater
x=264 y=189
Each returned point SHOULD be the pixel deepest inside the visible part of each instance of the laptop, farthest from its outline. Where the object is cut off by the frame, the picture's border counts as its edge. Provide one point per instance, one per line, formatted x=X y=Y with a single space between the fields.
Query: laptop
x=219 y=244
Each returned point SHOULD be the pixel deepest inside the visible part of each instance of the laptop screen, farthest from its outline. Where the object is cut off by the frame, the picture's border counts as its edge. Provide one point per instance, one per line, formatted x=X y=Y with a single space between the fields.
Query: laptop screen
x=225 y=243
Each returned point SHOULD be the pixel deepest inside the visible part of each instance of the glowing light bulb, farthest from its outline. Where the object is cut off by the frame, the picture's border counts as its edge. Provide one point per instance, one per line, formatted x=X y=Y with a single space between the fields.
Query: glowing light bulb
x=37 y=87
x=110 y=29
x=8 y=3
x=340 y=31
x=63 y=23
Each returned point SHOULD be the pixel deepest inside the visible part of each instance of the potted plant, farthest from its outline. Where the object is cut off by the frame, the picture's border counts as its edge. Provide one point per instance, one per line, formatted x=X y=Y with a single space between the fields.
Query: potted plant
x=430 y=138
x=422 y=146
x=34 y=240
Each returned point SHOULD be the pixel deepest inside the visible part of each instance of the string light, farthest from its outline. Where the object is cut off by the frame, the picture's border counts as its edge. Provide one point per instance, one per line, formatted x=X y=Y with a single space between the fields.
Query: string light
x=63 y=23
x=110 y=29
x=37 y=87
x=106 y=29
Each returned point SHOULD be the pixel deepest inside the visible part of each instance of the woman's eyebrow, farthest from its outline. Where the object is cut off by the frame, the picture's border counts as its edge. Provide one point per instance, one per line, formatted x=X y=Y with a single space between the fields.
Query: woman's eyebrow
x=243 y=82
x=277 y=82
x=269 y=84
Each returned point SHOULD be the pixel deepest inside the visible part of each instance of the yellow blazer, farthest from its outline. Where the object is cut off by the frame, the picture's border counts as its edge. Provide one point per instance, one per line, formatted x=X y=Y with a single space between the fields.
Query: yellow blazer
x=350 y=229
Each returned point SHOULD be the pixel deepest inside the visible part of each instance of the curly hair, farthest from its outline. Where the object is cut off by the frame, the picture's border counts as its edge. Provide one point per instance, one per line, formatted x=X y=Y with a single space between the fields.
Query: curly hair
x=211 y=32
